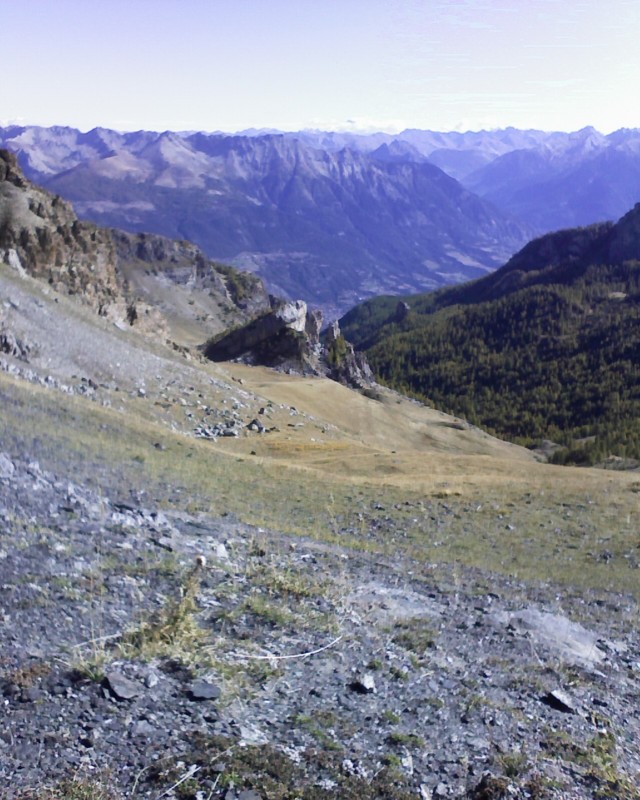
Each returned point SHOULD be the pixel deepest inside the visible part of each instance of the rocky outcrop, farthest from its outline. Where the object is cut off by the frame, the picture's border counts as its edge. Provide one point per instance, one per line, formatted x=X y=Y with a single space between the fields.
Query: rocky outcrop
x=277 y=338
x=313 y=324
x=41 y=236
x=402 y=311
x=40 y=232
x=344 y=363
x=289 y=337
x=12 y=345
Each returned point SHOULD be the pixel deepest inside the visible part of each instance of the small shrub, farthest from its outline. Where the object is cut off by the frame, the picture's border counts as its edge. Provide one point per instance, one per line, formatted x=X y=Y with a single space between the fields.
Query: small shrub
x=337 y=351
x=174 y=631
x=405 y=739
x=414 y=635
x=77 y=787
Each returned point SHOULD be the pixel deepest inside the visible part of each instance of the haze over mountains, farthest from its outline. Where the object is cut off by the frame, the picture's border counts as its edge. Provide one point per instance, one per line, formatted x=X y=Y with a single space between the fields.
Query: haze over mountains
x=334 y=218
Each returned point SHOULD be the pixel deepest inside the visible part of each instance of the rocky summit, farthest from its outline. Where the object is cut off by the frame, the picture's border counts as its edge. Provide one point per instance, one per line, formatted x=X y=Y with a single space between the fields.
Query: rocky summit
x=222 y=581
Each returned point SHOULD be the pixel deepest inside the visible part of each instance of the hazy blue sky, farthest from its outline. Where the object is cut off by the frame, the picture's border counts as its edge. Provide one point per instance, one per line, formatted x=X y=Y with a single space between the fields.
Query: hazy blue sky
x=332 y=64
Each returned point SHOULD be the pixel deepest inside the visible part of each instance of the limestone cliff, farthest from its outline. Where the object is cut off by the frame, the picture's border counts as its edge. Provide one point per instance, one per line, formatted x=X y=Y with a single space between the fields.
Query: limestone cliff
x=40 y=233
x=41 y=236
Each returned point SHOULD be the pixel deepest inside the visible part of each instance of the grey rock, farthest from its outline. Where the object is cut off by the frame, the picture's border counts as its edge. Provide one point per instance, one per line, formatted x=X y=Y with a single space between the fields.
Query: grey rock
x=151 y=680
x=143 y=729
x=31 y=695
x=203 y=690
x=245 y=794
x=221 y=552
x=574 y=643
x=121 y=687
x=364 y=684
x=313 y=325
x=251 y=734
x=13 y=260
x=561 y=702
x=7 y=467
x=164 y=542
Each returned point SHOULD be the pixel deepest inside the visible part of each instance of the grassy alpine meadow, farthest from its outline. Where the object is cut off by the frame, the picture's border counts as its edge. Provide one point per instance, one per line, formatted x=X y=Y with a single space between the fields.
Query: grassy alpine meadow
x=504 y=511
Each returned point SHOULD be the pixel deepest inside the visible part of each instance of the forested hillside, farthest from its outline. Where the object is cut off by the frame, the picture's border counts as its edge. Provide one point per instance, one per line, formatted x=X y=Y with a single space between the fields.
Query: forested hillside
x=548 y=347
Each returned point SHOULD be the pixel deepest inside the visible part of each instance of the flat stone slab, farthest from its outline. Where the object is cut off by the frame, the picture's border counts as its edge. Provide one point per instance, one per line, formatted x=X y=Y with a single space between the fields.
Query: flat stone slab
x=570 y=640
x=386 y=605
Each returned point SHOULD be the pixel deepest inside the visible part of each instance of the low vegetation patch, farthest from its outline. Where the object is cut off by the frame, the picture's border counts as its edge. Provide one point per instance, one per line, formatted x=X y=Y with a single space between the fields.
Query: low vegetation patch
x=318 y=775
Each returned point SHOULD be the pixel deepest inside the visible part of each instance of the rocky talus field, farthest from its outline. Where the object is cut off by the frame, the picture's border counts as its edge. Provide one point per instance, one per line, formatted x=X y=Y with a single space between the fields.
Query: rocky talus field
x=223 y=581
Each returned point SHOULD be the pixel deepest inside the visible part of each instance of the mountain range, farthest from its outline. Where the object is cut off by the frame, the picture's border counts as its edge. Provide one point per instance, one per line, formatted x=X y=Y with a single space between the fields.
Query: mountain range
x=335 y=218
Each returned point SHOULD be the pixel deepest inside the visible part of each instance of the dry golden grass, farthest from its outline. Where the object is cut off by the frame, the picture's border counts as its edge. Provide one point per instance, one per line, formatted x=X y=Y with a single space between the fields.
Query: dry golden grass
x=402 y=444
x=495 y=507
x=395 y=423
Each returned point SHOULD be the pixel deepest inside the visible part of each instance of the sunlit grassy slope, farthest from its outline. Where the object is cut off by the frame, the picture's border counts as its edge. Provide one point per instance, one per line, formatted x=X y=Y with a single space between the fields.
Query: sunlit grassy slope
x=374 y=475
